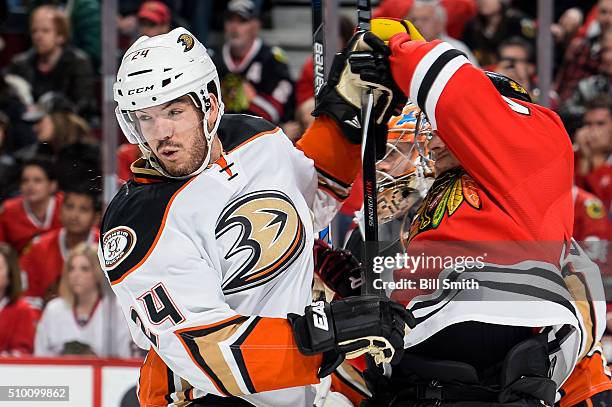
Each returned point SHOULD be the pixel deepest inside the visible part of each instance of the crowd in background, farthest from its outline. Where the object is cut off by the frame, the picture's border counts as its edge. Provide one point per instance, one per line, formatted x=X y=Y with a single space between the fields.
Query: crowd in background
x=53 y=297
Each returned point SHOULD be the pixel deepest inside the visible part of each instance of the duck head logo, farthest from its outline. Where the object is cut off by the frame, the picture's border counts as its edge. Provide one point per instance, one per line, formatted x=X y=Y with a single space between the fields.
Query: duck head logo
x=187 y=41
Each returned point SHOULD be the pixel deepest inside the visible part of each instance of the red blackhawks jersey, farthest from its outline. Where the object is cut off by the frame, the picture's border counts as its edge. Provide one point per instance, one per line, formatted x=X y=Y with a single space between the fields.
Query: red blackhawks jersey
x=599 y=182
x=592 y=226
x=42 y=264
x=18 y=225
x=17 y=327
x=207 y=268
x=508 y=203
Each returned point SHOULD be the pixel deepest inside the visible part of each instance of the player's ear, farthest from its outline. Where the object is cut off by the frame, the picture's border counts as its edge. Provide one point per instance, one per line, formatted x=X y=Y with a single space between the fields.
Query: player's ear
x=214 y=109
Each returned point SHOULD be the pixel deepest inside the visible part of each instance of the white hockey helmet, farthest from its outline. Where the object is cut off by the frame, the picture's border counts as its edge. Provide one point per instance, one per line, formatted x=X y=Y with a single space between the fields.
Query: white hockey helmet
x=157 y=70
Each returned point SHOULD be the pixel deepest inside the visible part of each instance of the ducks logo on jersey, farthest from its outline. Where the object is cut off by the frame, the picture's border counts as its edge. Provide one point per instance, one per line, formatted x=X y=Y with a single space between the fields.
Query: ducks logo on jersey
x=267 y=235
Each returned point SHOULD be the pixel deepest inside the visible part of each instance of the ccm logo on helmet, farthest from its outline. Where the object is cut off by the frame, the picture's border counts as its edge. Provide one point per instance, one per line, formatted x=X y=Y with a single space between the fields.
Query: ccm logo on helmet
x=140 y=90
x=318 y=317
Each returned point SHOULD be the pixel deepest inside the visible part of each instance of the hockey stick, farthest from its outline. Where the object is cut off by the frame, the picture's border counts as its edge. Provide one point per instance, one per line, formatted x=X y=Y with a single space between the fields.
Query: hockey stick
x=318 y=63
x=368 y=157
x=318 y=48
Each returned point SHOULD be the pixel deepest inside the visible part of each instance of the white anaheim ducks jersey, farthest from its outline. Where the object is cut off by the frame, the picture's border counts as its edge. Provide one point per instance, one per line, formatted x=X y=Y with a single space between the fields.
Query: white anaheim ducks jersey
x=206 y=269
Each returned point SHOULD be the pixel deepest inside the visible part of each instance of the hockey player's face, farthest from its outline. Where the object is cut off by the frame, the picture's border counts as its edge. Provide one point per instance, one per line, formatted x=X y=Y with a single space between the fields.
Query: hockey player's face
x=174 y=133
x=398 y=159
x=444 y=159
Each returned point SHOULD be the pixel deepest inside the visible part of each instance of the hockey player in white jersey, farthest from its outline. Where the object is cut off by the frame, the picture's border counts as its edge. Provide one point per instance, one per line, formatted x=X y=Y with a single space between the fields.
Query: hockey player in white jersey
x=209 y=249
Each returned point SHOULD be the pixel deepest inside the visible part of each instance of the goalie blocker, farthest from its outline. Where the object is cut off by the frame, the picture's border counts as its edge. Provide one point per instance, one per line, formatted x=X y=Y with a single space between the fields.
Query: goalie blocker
x=350 y=328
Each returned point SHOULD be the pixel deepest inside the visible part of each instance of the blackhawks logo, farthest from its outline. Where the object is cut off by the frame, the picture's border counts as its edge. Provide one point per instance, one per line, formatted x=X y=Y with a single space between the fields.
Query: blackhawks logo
x=446 y=195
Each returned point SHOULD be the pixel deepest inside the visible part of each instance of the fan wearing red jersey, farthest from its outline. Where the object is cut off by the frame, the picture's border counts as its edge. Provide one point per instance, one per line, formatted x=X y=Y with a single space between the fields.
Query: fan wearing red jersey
x=496 y=198
x=36 y=210
x=43 y=261
x=591 y=226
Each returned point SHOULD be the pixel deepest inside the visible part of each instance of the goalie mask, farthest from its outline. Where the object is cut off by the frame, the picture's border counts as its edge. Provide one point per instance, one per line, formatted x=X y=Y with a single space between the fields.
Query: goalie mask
x=405 y=173
x=156 y=71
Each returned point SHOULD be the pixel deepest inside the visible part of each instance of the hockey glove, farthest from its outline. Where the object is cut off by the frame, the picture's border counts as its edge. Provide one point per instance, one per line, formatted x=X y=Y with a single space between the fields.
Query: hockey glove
x=340 y=97
x=350 y=328
x=339 y=270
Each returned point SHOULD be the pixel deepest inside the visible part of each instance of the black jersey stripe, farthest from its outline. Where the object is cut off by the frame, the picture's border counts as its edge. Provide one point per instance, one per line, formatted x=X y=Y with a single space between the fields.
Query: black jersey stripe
x=237 y=352
x=432 y=73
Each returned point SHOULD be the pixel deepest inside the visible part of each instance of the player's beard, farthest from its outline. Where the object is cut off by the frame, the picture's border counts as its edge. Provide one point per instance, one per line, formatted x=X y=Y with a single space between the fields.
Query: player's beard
x=196 y=156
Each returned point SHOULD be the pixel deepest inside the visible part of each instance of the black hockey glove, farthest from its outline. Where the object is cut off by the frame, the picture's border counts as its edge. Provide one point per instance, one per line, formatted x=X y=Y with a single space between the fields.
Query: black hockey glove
x=362 y=64
x=350 y=328
x=339 y=270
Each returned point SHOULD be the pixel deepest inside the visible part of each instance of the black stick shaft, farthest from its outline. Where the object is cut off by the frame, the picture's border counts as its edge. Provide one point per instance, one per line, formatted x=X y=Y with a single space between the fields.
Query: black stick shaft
x=318 y=45
x=364 y=14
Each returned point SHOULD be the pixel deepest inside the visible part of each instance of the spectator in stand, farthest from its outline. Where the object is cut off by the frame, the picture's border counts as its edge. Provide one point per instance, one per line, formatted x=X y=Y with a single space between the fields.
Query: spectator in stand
x=51 y=64
x=154 y=18
x=429 y=17
x=9 y=172
x=583 y=55
x=593 y=142
x=79 y=214
x=591 y=226
x=459 y=12
x=591 y=87
x=86 y=23
x=65 y=138
x=83 y=318
x=494 y=23
x=563 y=31
x=515 y=60
x=17 y=319
x=254 y=77
x=15 y=98
x=36 y=211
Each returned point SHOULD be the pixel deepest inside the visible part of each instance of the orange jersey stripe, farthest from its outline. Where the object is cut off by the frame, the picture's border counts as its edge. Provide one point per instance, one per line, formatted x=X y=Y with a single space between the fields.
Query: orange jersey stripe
x=331 y=151
x=589 y=377
x=153 y=388
x=271 y=367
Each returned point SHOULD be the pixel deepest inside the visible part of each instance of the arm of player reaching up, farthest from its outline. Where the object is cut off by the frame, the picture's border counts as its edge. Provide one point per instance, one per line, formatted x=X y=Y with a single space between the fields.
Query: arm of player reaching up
x=337 y=162
x=498 y=140
x=334 y=139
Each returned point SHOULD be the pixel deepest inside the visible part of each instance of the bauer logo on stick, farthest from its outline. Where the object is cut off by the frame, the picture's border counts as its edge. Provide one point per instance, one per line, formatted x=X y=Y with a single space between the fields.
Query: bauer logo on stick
x=117 y=244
